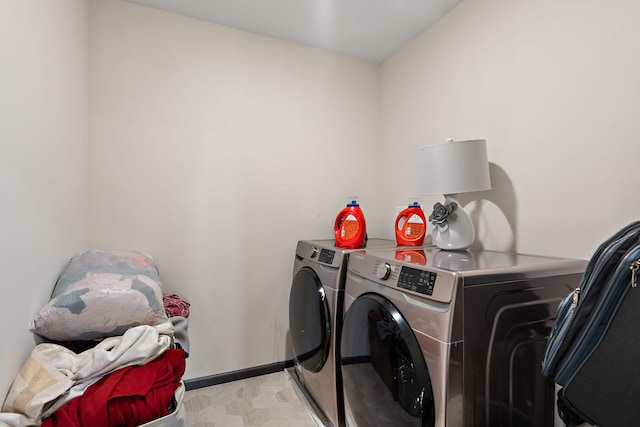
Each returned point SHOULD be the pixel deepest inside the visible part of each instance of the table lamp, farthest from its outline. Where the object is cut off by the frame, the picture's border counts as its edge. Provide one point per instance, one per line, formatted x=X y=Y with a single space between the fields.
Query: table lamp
x=449 y=169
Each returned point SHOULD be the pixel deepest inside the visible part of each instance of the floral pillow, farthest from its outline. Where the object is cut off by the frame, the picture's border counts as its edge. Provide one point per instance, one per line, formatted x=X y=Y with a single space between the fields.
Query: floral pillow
x=100 y=303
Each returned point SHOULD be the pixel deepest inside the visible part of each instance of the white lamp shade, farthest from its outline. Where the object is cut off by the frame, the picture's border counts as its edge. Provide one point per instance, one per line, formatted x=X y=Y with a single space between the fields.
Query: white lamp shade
x=453 y=167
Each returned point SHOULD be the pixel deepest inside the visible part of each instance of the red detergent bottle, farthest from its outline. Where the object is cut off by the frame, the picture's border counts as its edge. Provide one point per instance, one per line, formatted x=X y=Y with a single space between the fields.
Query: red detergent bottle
x=350 y=228
x=411 y=225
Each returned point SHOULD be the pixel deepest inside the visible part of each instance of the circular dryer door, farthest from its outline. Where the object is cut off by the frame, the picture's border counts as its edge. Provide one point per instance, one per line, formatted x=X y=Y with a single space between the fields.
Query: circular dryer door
x=385 y=378
x=309 y=320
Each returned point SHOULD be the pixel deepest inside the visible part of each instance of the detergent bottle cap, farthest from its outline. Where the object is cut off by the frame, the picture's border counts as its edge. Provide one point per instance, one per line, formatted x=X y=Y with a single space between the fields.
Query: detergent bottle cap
x=352 y=201
x=414 y=203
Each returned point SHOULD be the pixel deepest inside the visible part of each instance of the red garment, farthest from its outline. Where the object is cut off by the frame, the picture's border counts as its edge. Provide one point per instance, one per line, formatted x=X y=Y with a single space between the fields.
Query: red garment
x=127 y=397
x=175 y=306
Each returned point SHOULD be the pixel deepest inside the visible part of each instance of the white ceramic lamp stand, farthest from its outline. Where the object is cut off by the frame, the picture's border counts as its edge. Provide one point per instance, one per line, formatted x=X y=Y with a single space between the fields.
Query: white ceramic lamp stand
x=450 y=169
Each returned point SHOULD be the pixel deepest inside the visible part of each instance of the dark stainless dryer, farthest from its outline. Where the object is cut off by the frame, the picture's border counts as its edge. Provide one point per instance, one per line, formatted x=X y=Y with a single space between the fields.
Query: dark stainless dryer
x=450 y=338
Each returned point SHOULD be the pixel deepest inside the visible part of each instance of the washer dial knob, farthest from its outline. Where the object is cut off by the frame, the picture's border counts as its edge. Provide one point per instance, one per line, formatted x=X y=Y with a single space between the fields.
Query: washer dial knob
x=383 y=271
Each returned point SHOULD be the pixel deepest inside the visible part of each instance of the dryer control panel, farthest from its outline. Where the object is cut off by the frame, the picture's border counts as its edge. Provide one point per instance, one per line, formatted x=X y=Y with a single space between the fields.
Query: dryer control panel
x=432 y=283
x=322 y=252
x=326 y=256
x=417 y=280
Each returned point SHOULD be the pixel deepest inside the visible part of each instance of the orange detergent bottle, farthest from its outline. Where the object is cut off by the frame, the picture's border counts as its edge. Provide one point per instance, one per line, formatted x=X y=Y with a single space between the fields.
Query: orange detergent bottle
x=411 y=226
x=350 y=228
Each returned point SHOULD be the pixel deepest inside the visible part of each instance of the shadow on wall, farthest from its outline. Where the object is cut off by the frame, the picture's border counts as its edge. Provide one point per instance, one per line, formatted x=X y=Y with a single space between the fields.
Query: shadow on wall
x=494 y=212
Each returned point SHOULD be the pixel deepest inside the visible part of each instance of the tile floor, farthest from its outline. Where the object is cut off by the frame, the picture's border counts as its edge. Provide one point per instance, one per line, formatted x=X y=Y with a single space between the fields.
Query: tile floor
x=265 y=401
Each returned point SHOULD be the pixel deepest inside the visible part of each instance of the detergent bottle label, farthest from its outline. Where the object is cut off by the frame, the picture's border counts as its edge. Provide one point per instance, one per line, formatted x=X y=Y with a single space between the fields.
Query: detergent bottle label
x=349 y=227
x=414 y=227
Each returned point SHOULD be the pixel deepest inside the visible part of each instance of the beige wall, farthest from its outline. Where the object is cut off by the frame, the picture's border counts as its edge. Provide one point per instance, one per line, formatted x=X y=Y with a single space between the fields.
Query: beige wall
x=553 y=87
x=43 y=159
x=215 y=150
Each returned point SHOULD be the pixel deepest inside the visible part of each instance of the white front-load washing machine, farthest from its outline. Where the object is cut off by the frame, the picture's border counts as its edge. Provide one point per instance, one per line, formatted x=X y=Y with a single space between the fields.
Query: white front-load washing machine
x=450 y=338
x=316 y=302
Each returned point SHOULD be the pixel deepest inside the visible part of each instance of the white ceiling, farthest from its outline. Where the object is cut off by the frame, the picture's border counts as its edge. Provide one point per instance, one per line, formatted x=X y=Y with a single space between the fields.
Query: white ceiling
x=366 y=29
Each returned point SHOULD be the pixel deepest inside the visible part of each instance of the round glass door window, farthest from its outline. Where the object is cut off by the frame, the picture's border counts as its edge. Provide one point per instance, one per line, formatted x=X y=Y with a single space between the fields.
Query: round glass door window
x=309 y=320
x=385 y=378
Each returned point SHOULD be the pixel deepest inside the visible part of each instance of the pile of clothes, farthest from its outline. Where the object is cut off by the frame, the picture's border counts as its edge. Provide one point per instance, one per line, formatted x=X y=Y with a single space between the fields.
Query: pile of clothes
x=113 y=349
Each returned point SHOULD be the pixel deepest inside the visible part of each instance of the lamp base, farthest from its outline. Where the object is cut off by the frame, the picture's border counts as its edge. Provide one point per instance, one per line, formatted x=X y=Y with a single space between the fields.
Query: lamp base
x=460 y=233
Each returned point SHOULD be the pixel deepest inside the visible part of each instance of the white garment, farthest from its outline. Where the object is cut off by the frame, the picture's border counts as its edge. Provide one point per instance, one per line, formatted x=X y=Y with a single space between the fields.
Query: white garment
x=44 y=381
x=14 y=420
